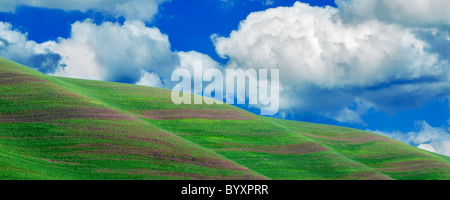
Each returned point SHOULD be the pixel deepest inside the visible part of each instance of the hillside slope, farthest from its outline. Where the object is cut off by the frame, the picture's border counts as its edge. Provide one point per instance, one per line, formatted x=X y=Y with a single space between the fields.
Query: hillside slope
x=61 y=128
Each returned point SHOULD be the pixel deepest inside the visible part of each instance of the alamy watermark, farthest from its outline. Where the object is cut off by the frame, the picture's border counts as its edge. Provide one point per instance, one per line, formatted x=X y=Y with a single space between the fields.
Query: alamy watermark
x=235 y=81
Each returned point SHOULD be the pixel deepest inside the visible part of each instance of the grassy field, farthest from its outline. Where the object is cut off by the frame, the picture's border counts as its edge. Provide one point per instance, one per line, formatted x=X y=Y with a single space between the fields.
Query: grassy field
x=61 y=128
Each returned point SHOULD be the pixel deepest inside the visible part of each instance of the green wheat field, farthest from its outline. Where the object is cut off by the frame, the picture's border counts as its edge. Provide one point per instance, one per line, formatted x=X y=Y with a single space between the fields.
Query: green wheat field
x=70 y=129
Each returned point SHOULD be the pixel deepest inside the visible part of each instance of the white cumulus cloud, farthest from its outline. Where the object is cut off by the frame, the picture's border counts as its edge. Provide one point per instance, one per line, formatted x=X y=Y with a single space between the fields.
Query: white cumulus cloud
x=326 y=63
x=427 y=147
x=115 y=52
x=128 y=53
x=14 y=45
x=311 y=44
x=434 y=139
x=150 y=79
x=187 y=62
x=130 y=9
x=408 y=12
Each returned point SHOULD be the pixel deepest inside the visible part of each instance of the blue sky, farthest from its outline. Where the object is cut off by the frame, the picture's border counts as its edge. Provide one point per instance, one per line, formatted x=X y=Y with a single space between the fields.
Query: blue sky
x=381 y=66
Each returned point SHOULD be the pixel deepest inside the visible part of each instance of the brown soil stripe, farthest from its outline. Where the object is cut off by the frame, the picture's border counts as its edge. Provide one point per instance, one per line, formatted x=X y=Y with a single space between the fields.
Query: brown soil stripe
x=106 y=137
x=415 y=165
x=182 y=174
x=14 y=78
x=197 y=176
x=414 y=168
x=19 y=80
x=45 y=115
x=196 y=114
x=10 y=75
x=26 y=96
x=348 y=140
x=159 y=142
x=159 y=154
x=368 y=175
x=299 y=149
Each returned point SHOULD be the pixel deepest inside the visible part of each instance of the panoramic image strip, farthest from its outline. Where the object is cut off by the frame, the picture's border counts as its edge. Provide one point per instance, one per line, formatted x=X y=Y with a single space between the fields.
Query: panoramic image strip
x=224 y=90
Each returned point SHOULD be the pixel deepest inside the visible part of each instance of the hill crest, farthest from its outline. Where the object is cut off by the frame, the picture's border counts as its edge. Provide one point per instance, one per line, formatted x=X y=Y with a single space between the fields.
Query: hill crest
x=62 y=128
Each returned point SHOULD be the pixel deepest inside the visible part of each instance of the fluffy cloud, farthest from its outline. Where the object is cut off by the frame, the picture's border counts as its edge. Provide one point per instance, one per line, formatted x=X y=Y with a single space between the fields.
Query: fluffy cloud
x=353 y=113
x=128 y=53
x=150 y=79
x=188 y=61
x=325 y=63
x=130 y=9
x=428 y=20
x=347 y=115
x=15 y=45
x=407 y=12
x=115 y=52
x=434 y=139
x=312 y=45
x=427 y=147
x=131 y=53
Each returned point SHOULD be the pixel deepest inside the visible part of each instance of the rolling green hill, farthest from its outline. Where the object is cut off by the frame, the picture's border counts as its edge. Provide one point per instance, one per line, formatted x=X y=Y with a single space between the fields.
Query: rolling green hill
x=61 y=128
